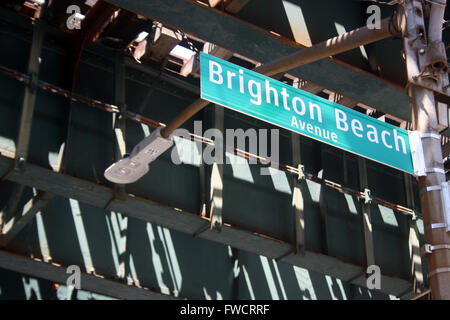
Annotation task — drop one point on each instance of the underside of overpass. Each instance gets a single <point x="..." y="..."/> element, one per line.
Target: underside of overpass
<point x="74" y="97"/>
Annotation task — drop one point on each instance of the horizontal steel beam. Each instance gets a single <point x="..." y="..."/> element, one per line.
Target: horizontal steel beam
<point x="100" y="196"/>
<point x="88" y="282"/>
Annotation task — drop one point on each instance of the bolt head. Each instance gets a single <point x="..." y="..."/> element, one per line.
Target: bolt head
<point x="422" y="51"/>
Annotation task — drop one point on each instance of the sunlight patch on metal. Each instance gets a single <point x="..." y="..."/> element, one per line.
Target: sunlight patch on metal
<point x="280" y="281"/>
<point x="240" y="168"/>
<point x="133" y="278"/>
<point x="388" y="216"/>
<point x="186" y="151"/>
<point x="280" y="181"/>
<point x="269" y="278"/>
<point x="351" y="204"/>
<point x="297" y="22"/>
<point x="172" y="260"/>
<point x="248" y="283"/>
<point x="315" y="188"/>
<point x="332" y="283"/>
<point x="341" y="30"/>
<point x="156" y="260"/>
<point x="31" y="288"/>
<point x="304" y="283"/>
<point x="81" y="234"/>
<point x="42" y="238"/>
<point x="115" y="244"/>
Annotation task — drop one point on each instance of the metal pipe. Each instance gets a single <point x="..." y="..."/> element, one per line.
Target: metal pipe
<point x="347" y="41"/>
<point x="181" y="118"/>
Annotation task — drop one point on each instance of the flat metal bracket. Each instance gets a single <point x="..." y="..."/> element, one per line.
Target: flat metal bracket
<point x="436" y="271"/>
<point x="428" y="248"/>
<point x="436" y="226"/>
<point x="430" y="188"/>
<point x="433" y="188"/>
<point x="418" y="157"/>
<point x="367" y="196"/>
<point x="414" y="216"/>
<point x="434" y="170"/>
<point x="445" y="196"/>
<point x="430" y="135"/>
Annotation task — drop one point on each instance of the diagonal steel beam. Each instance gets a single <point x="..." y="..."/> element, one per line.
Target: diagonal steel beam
<point x="33" y="206"/>
<point x="10" y="208"/>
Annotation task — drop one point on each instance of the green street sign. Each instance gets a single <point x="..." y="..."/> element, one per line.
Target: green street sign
<point x="275" y="102"/>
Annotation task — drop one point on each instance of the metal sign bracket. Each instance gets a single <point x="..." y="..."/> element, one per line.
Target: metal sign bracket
<point x="418" y="157"/>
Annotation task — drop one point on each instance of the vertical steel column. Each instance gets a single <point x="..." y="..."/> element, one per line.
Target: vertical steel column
<point x="119" y="119"/>
<point x="26" y="119"/>
<point x="297" y="197"/>
<point x="216" y="195"/>
<point x="365" y="207"/>
<point x="29" y="99"/>
<point x="323" y="205"/>
<point x="119" y="127"/>
<point x="203" y="169"/>
<point x="414" y="244"/>
<point x="424" y="120"/>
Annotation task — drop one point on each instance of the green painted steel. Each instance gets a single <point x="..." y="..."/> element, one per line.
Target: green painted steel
<point x="166" y="208"/>
<point x="275" y="102"/>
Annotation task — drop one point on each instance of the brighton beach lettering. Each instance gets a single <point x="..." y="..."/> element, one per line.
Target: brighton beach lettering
<point x="275" y="102"/>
